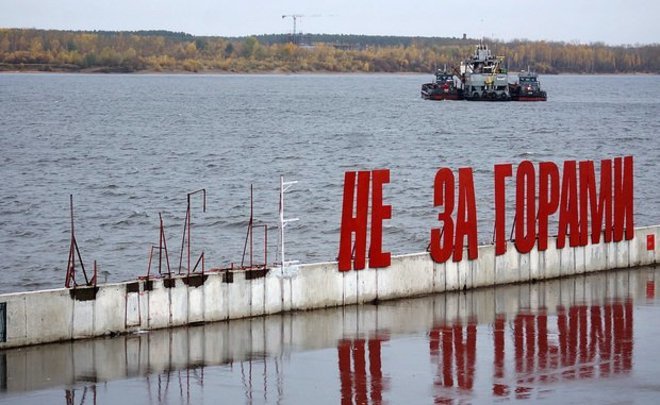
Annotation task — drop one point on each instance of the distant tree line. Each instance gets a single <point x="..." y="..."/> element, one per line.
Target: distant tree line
<point x="108" y="51"/>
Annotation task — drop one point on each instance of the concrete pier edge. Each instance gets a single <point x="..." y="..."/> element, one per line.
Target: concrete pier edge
<point x="63" y="314"/>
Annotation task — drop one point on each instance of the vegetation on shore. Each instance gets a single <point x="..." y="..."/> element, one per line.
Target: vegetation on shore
<point x="164" y="51"/>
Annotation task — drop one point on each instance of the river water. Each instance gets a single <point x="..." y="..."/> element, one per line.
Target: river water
<point x="130" y="146"/>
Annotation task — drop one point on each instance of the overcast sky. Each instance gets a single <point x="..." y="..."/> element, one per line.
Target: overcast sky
<point x="610" y="21"/>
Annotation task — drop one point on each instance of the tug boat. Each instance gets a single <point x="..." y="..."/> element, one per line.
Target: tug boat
<point x="527" y="88"/>
<point x="442" y="88"/>
<point x="483" y="77"/>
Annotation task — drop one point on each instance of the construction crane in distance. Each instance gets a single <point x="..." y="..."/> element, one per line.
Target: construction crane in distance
<point x="295" y="18"/>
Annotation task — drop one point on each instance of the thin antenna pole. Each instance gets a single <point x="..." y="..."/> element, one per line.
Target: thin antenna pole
<point x="282" y="221"/>
<point x="251" y="222"/>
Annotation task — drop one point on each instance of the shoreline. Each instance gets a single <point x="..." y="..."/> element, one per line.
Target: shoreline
<point x="276" y="72"/>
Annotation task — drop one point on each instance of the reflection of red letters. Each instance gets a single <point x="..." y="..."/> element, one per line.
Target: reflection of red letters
<point x="353" y="379"/>
<point x="459" y="347"/>
<point x="451" y="239"/>
<point x="593" y="341"/>
<point x="358" y="224"/>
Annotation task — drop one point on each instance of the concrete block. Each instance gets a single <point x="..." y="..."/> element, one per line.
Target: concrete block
<point x="215" y="307"/>
<point x="16" y="318"/>
<point x="83" y="319"/>
<point x="639" y="254"/>
<point x="623" y="254"/>
<point x="367" y="285"/>
<point x="465" y="271"/>
<point x="451" y="276"/>
<point x="507" y="266"/>
<point x="132" y="310"/>
<point x="111" y="308"/>
<point x="484" y="270"/>
<point x="159" y="306"/>
<point x="316" y="286"/>
<point x="238" y="296"/>
<point x="595" y="257"/>
<point x="439" y="270"/>
<point x="287" y="293"/>
<point x="178" y="302"/>
<point x="524" y="267"/>
<point x="257" y="296"/>
<point x="611" y="255"/>
<point x="273" y="291"/>
<point x="196" y="303"/>
<point x="580" y="260"/>
<point x="350" y="279"/>
<point x="409" y="275"/>
<point x="567" y="261"/>
<point x="535" y="265"/>
<point x="551" y="263"/>
<point x="49" y="316"/>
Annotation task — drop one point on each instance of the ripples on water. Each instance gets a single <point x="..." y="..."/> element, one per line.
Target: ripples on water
<point x="130" y="146"/>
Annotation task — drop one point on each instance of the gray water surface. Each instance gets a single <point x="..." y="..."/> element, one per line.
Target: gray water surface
<point x="130" y="146"/>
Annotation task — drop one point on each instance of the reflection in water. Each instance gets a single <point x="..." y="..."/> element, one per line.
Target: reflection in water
<point x="453" y="348"/>
<point x="521" y="342"/>
<point x="589" y="342"/>
<point x="354" y="386"/>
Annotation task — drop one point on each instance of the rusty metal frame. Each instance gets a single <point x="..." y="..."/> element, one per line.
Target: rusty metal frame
<point x="187" y="233"/>
<point x="74" y="251"/>
<point x="249" y="239"/>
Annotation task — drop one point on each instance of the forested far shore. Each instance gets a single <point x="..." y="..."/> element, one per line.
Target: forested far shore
<point x="164" y="51"/>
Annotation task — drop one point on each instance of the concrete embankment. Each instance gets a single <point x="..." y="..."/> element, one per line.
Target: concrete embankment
<point x="65" y="314"/>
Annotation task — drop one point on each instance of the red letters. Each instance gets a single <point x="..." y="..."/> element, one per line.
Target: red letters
<point x="446" y="241"/>
<point x="466" y="223"/>
<point x="443" y="195"/>
<point x="525" y="207"/>
<point x="568" y="207"/>
<point x="358" y="224"/>
<point x="582" y="204"/>
<point x="502" y="171"/>
<point x="623" y="198"/>
<point x="548" y="199"/>
<point x="379" y="212"/>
